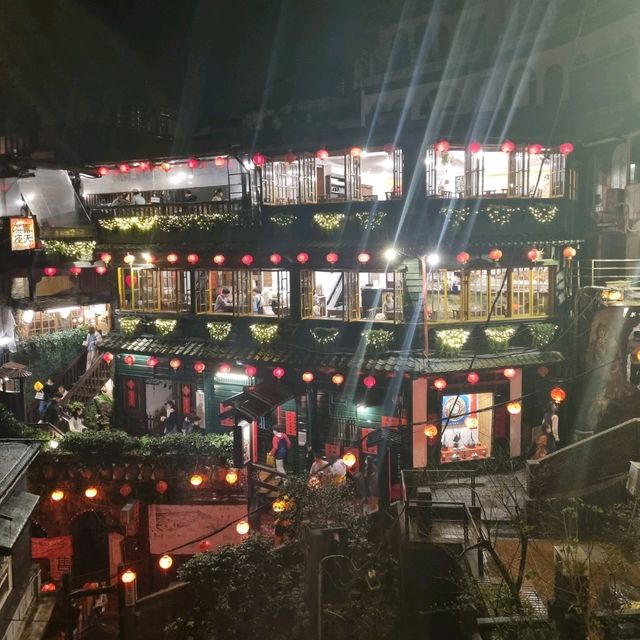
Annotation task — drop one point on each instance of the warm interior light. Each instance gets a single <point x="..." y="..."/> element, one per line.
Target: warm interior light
<point x="349" y="459"/>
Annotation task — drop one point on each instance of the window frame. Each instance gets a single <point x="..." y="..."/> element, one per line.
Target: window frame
<point x="6" y="577"/>
<point x="155" y="283"/>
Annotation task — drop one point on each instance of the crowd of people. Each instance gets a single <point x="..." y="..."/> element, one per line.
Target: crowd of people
<point x="191" y="423"/>
<point x="135" y="197"/>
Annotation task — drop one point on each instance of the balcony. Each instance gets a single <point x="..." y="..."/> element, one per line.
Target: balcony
<point x="619" y="280"/>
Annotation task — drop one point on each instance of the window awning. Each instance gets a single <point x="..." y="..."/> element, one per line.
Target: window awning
<point x="14" y="515"/>
<point x="257" y="401"/>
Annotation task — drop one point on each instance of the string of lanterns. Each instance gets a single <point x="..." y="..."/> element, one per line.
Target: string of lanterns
<point x="507" y="146"/>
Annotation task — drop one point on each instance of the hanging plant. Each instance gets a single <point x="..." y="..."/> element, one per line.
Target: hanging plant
<point x="500" y="214"/>
<point x="202" y="221"/>
<point x="370" y="220"/>
<point x="450" y="341"/>
<point x="71" y="250"/>
<point x="324" y="336"/>
<point x="133" y="223"/>
<point x="128" y="325"/>
<point x="499" y="337"/>
<point x="264" y="333"/>
<point x="543" y="213"/>
<point x="456" y="216"/>
<point x="219" y="331"/>
<point x="328" y="221"/>
<point x="283" y="220"/>
<point x="377" y="340"/>
<point x="542" y="334"/>
<point x="164" y="327"/>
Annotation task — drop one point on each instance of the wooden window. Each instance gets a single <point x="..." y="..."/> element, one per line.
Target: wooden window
<point x="325" y="291"/>
<point x="167" y="290"/>
<point x="379" y="296"/>
<point x="267" y="293"/>
<point x="6" y="578"/>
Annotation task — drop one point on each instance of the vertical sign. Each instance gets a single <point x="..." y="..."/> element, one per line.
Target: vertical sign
<point x="290" y="423"/>
<point x="23" y="233"/>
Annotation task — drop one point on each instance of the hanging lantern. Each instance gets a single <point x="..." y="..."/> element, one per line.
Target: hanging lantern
<point x="533" y="255"/>
<point x="172" y="258"/>
<point x="224" y="367"/>
<point x="57" y="495"/>
<point x="558" y="394"/>
<point x="152" y="361"/>
<point x="258" y="159"/>
<point x="473" y="377"/>
<point x="509" y="373"/>
<point x="219" y="161"/>
<point x="105" y="257"/>
<point x="279" y="505"/>
<point x="91" y="492"/>
<point x="566" y="148"/>
<point x="463" y="257"/>
<point x="507" y="147"/>
<point x="569" y="253"/>
<point x="440" y="384"/>
<point x="103" y="171"/>
<point x="514" y="408"/>
<point x="107" y="357"/>
<point x="275" y="258"/>
<point x="231" y="476"/>
<point x="535" y="149"/>
<point x="165" y="562"/>
<point x="369" y="382"/>
<point x="193" y="163"/>
<point x="243" y="527"/>
<point x="218" y="259"/>
<point x="307" y="377"/>
<point x="196" y="480"/>
<point x="355" y="152"/>
<point x="332" y="258"/>
<point x="442" y="146"/>
<point x="175" y="363"/>
<point x="75" y="271"/>
<point x="129" y="360"/>
<point x="50" y="271"/>
<point x="165" y="166"/>
<point x="198" y="366"/>
<point x="290" y="158"/>
<point x="349" y="458"/>
<point x="101" y="270"/>
<point x="495" y="254"/>
<point x="475" y="147"/>
<point x="471" y="422"/>
<point x="129" y="259"/>
<point x="278" y="373"/>
<point x="125" y="490"/>
<point x="161" y="487"/>
<point x="250" y="371"/>
<point x="302" y="257"/>
<point x="128" y="576"/>
<point x="124" y="168"/>
<point x="205" y="545"/>
<point x="193" y="258"/>
<point x="363" y="257"/>
<point x="337" y="379"/>
<point x="322" y="155"/>
<point x="144" y="166"/>
<point x="543" y="371"/>
<point x="247" y="260"/>
<point x="431" y="431"/>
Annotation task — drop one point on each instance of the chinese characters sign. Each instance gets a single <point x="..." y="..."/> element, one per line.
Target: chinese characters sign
<point x="23" y="234"/>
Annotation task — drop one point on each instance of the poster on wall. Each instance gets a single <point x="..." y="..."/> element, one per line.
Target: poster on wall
<point x="245" y="428"/>
<point x="23" y="234"/>
<point x="467" y="422"/>
<point x="57" y="550"/>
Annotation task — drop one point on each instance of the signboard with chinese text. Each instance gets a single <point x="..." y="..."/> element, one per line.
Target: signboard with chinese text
<point x="23" y="234"/>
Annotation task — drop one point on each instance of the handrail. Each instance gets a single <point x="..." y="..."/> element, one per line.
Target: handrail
<point x="70" y="375"/>
<point x="167" y="209"/>
<point x="55" y="431"/>
<point x="91" y="373"/>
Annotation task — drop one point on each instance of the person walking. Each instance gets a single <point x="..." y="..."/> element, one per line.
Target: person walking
<point x="280" y="446"/>
<point x="92" y="341"/>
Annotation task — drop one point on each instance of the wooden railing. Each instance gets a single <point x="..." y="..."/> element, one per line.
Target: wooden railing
<point x="227" y="207"/>
<point x="74" y="371"/>
<point x="89" y="383"/>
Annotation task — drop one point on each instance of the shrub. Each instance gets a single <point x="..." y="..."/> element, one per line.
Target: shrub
<point x="11" y="427"/>
<point x="219" y="446"/>
<point x="499" y="337"/>
<point x="450" y="341"/>
<point x="542" y="334"/>
<point x="106" y="443"/>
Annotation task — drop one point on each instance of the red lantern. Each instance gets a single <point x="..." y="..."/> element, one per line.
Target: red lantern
<point x="507" y="147"/>
<point x="50" y="271"/>
<point x="463" y="257"/>
<point x="307" y="377"/>
<point x="219" y="161"/>
<point x="258" y="159"/>
<point x="125" y="490"/>
<point x="107" y="357"/>
<point x="198" y="366"/>
<point x="275" y="258"/>
<point x="75" y="271"/>
<point x="337" y="379"/>
<point x="355" y="152"/>
<point x="290" y="158"/>
<point x="543" y="371"/>
<point x="533" y="255"/>
<point x="558" y="394"/>
<point x="247" y="260"/>
<point x="124" y="168"/>
<point x="250" y="370"/>
<point x="369" y="382"/>
<point x="509" y="373"/>
<point x="152" y="361"/>
<point x="205" y="545"/>
<point x="440" y="384"/>
<point x="103" y="171"/>
<point x="224" y="367"/>
<point x="473" y="377"/>
<point x="193" y="258"/>
<point x="129" y="360"/>
<point x="144" y="166"/>
<point x="363" y="257"/>
<point x="165" y="166"/>
<point x="566" y="148"/>
<point x="278" y="373"/>
<point x="302" y="257"/>
<point x="193" y="163"/>
<point x="105" y="257"/>
<point x="322" y="155"/>
<point x="535" y="149"/>
<point x="218" y="259"/>
<point x="442" y="146"/>
<point x="475" y="147"/>
<point x="569" y="253"/>
<point x="101" y="270"/>
<point x="172" y="258"/>
<point x="175" y="363"/>
<point x="161" y="487"/>
<point x="495" y="254"/>
<point x="332" y="258"/>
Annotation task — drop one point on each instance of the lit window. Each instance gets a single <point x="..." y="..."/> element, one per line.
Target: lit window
<point x="144" y="289"/>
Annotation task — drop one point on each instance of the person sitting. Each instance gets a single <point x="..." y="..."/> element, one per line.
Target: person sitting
<point x="218" y="196"/>
<point x="189" y="197"/>
<point x="320" y="466"/>
<point x="388" y="306"/>
<point x="222" y="301"/>
<point x="76" y="424"/>
<point x="121" y="200"/>
<point x="137" y="197"/>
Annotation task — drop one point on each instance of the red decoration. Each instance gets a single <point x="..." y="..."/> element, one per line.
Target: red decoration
<point x="185" y="399"/>
<point x="152" y="361"/>
<point x="302" y="257"/>
<point x="535" y="149"/>
<point x="129" y="360"/>
<point x="363" y="257"/>
<point x="463" y="257"/>
<point x="278" y="373"/>
<point x="543" y="371"/>
<point x="100" y="270"/>
<point x="247" y="260"/>
<point x="475" y="147"/>
<point x="144" y="166"/>
<point x="566" y="148"/>
<point x="507" y="146"/>
<point x="290" y="158"/>
<point x="193" y="163"/>
<point x="442" y="146"/>
<point x="440" y="384"/>
<point x="307" y="377"/>
<point x="569" y="253"/>
<point x="219" y="161"/>
<point x="172" y="258"/>
<point x="275" y="258"/>
<point x="290" y="423"/>
<point x="558" y="394"/>
<point x="193" y="258"/>
<point x="105" y="257"/>
<point x="50" y="271"/>
<point x="250" y="370"/>
<point x="355" y="152"/>
<point x="218" y="259"/>
<point x="205" y="545"/>
<point x="165" y="166"/>
<point x="533" y="255"/>
<point x="369" y="382"/>
<point x="125" y="490"/>
<point x="107" y="357"/>
<point x="198" y="366"/>
<point x="75" y="271"/>
<point x="495" y="254"/>
<point x="473" y="377"/>
<point x="337" y="379"/>
<point x="509" y="373"/>
<point x="175" y="363"/>
<point x="224" y="367"/>
<point x="258" y="159"/>
<point x="103" y="171"/>
<point x="161" y="487"/>
<point x="124" y="168"/>
<point x="332" y="257"/>
<point x="322" y="154"/>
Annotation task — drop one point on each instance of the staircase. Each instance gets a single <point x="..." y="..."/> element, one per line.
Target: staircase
<point x="89" y="384"/>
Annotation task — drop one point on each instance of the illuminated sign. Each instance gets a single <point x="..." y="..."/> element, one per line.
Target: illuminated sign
<point x="23" y="234"/>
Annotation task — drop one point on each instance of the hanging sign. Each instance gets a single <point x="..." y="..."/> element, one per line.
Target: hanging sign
<point x="23" y="233"/>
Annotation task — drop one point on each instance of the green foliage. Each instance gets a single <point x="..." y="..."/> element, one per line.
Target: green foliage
<point x="324" y="336"/>
<point x="282" y="220"/>
<point x="74" y="250"/>
<point x="105" y="443"/>
<point x="11" y="427"/>
<point x="450" y="341"/>
<point x="219" y="446"/>
<point x="542" y="334"/>
<point x="377" y="340"/>
<point x="128" y="325"/>
<point x="370" y="220"/>
<point x="499" y="337"/>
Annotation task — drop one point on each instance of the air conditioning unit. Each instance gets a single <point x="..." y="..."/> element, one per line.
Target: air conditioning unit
<point x="130" y="517"/>
<point x="633" y="480"/>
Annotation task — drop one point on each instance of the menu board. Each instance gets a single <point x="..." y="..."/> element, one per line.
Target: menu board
<point x="23" y="233"/>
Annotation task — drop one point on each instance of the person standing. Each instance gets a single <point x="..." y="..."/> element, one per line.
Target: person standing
<point x="170" y="420"/>
<point x="550" y="419"/>
<point x="92" y="341"/>
<point x="257" y="302"/>
<point x="320" y="466"/>
<point x="280" y="446"/>
<point x="48" y="391"/>
<point x="338" y="468"/>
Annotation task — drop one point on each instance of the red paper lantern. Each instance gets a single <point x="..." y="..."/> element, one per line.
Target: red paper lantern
<point x="507" y="146"/>
<point x="569" y="253"/>
<point x="75" y="271"/>
<point x="258" y="159"/>
<point x="509" y="373"/>
<point x="302" y="257"/>
<point x="205" y="545"/>
<point x="218" y="259"/>
<point x="495" y="254"/>
<point x="543" y="371"/>
<point x="275" y="258"/>
<point x="172" y="258"/>
<point x="198" y="366"/>
<point x="535" y="149"/>
<point x="125" y="490"/>
<point x="566" y="148"/>
<point x="290" y="158"/>
<point x="278" y="373"/>
<point x="337" y="379"/>
<point x="307" y="377"/>
<point x="442" y="146"/>
<point x="250" y="370"/>
<point x="105" y="257"/>
<point x="473" y="377"/>
<point x="100" y="270"/>
<point x="193" y="258"/>
<point x="152" y="361"/>
<point x="533" y="255"/>
<point x="558" y="394"/>
<point x="322" y="154"/>
<point x="219" y="161"/>
<point x="224" y="367"/>
<point x="50" y="271"/>
<point x="144" y="166"/>
<point x="103" y="171"/>
<point x="129" y="360"/>
<point x="363" y="257"/>
<point x="247" y="260"/>
<point x="124" y="168"/>
<point x="369" y="382"/>
<point x="165" y="166"/>
<point x="355" y="152"/>
<point x="332" y="257"/>
<point x="440" y="384"/>
<point x="463" y="257"/>
<point x="475" y="147"/>
<point x="193" y="163"/>
<point x="175" y="363"/>
<point x="107" y="357"/>
<point x="161" y="486"/>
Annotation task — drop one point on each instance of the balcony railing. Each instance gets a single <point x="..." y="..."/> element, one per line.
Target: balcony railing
<point x="226" y="208"/>
<point x="616" y="274"/>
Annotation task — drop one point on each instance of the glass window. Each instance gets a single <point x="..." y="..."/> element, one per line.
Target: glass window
<point x="323" y="295"/>
<point x="450" y="173"/>
<point x="214" y="291"/>
<point x="530" y="291"/>
<point x="339" y="178"/>
<point x="483" y="288"/>
<point x="377" y="296"/>
<point x="444" y="299"/>
<point x="496" y="173"/>
<point x="267" y="293"/>
<point x="144" y="289"/>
